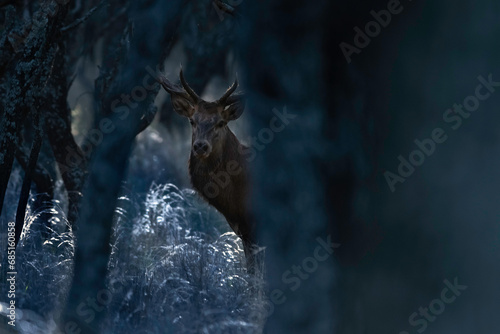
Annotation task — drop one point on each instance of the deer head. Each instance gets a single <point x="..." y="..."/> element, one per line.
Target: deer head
<point x="208" y="119"/>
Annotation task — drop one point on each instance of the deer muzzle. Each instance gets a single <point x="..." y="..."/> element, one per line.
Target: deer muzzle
<point x="202" y="148"/>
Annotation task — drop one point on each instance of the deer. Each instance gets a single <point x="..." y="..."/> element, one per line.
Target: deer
<point x="217" y="166"/>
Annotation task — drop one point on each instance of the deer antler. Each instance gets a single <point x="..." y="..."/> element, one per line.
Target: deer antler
<point x="223" y="99"/>
<point x="188" y="89"/>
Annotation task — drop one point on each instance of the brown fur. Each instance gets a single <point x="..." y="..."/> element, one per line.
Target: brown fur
<point x="230" y="200"/>
<point x="219" y="171"/>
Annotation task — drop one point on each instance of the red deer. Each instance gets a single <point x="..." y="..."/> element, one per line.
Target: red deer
<point x="217" y="167"/>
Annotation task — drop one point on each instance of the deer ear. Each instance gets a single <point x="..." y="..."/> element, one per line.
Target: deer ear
<point x="234" y="108"/>
<point x="181" y="101"/>
<point x="182" y="105"/>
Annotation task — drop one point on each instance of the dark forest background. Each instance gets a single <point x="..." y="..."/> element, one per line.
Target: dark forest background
<point x="90" y="149"/>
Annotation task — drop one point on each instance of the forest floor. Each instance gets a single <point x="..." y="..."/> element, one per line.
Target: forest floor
<point x="175" y="267"/>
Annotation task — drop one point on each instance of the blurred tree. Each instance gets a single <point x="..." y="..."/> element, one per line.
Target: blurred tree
<point x="307" y="175"/>
<point x="127" y="58"/>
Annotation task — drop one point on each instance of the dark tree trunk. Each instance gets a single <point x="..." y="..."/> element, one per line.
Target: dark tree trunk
<point x="29" y="174"/>
<point x="71" y="161"/>
<point x="290" y="172"/>
<point x="108" y="165"/>
<point x="306" y="175"/>
<point x="28" y="73"/>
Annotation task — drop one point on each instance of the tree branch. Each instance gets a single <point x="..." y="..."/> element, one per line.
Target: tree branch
<point x="28" y="176"/>
<point x="83" y="19"/>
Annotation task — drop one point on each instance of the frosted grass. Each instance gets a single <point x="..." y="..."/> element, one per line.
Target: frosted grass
<point x="175" y="267"/>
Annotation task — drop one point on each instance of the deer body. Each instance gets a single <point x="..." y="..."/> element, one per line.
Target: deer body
<point x="217" y="167"/>
<point x="222" y="181"/>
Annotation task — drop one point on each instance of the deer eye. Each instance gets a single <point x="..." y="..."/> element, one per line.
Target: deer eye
<point x="221" y="124"/>
<point x="191" y="122"/>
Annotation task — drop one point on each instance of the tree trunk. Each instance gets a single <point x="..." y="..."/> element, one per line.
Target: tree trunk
<point x="108" y="166"/>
